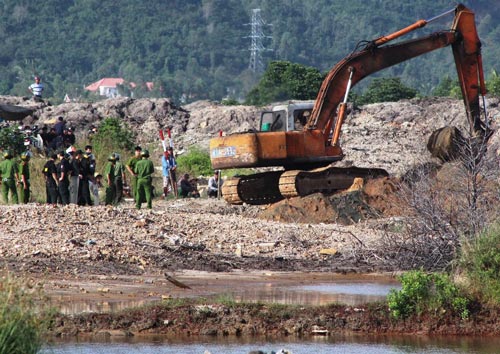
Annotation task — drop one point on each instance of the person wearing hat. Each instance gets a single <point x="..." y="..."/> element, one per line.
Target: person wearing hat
<point x="50" y="174"/>
<point x="24" y="178"/>
<point x="36" y="89"/>
<point x="144" y="170"/>
<point x="120" y="180"/>
<point x="8" y="178"/>
<point x="90" y="156"/>
<point x="84" y="177"/>
<point x="131" y="168"/>
<point x="109" y="175"/>
<point x="63" y="171"/>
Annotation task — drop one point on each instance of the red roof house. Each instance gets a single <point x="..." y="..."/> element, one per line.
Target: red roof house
<point x="106" y="86"/>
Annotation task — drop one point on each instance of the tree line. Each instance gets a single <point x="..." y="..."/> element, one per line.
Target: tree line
<point x="199" y="49"/>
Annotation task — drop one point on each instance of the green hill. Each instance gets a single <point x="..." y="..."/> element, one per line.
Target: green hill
<point x="199" y="49"/>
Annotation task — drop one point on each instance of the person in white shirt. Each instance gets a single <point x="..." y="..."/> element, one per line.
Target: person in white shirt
<point x="214" y="184"/>
<point x="36" y="88"/>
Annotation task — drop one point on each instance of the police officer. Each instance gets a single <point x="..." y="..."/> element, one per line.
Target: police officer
<point x="24" y="178"/>
<point x="63" y="171"/>
<point x="144" y="170"/>
<point x="119" y="179"/>
<point x="50" y="173"/>
<point x="109" y="176"/>
<point x="9" y="177"/>
<point x="131" y="168"/>
<point x="86" y="174"/>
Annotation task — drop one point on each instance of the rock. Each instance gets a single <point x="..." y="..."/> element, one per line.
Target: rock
<point x="239" y="250"/>
<point x="328" y="251"/>
<point x="113" y="333"/>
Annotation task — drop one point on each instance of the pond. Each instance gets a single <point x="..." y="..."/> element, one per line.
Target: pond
<point x="319" y="345"/>
<point x="281" y="288"/>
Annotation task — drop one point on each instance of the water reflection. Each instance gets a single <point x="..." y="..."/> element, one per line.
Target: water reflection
<point x="70" y="306"/>
<point x="321" y="345"/>
<point x="347" y="291"/>
<point x="318" y="294"/>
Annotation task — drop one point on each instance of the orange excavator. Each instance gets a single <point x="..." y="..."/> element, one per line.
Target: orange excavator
<point x="307" y="155"/>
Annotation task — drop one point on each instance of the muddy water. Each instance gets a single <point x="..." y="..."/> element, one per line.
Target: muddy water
<point x="339" y="291"/>
<point x="107" y="294"/>
<point x="319" y="345"/>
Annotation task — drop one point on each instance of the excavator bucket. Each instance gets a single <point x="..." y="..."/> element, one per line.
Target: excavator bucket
<point x="446" y="143"/>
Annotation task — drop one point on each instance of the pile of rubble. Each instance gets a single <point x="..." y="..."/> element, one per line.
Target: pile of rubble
<point x="176" y="234"/>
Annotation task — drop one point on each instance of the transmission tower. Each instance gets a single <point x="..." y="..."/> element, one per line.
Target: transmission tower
<point x="257" y="46"/>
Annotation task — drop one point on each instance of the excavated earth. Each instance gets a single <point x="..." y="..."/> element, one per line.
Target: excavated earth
<point x="120" y="252"/>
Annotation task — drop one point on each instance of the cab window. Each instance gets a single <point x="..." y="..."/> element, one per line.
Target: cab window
<point x="273" y="121"/>
<point x="300" y="117"/>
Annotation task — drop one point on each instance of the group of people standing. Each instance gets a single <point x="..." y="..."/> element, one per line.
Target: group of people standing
<point x="69" y="177"/>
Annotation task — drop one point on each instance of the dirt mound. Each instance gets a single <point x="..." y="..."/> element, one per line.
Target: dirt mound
<point x="314" y="208"/>
<point x="378" y="197"/>
<point x="382" y="195"/>
<point x="375" y="199"/>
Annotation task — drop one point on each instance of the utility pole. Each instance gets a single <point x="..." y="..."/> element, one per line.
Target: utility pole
<point x="257" y="46"/>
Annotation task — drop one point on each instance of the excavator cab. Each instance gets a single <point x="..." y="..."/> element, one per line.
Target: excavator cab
<point x="289" y="117"/>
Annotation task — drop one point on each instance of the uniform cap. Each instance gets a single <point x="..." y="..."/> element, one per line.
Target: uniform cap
<point x="145" y="153"/>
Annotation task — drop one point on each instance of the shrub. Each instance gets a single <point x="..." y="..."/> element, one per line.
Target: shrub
<point x="12" y="140"/>
<point x="426" y="292"/>
<point x="113" y="135"/>
<point x="284" y="80"/>
<point x="37" y="179"/>
<point x="448" y="87"/>
<point x="493" y="84"/>
<point x="196" y="162"/>
<point x="21" y="328"/>
<point x="480" y="263"/>
<point x="230" y="102"/>
<point x="386" y="90"/>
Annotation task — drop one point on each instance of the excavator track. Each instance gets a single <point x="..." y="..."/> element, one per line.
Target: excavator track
<point x="326" y="180"/>
<point x="260" y="188"/>
<point x="271" y="187"/>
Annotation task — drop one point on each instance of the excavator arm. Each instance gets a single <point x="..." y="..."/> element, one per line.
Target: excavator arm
<point x="328" y="113"/>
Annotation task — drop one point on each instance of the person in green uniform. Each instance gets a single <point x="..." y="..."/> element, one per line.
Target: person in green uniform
<point x="144" y="170"/>
<point x="119" y="179"/>
<point x="131" y="168"/>
<point x="24" y="178"/>
<point x="9" y="178"/>
<point x="109" y="175"/>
